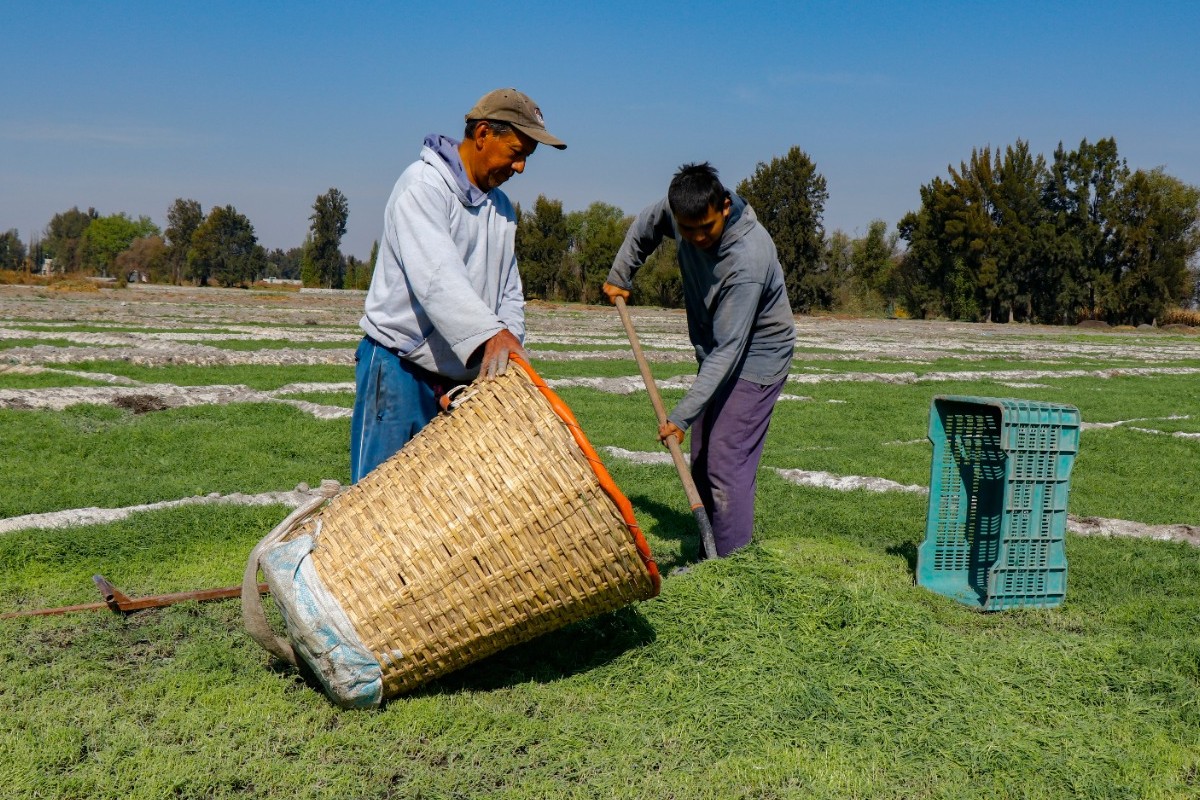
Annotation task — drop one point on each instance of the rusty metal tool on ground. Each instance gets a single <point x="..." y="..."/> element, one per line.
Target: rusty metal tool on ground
<point x="121" y="603"/>
<point x="685" y="475"/>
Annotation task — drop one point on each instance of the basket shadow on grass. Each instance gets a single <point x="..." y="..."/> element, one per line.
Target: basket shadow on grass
<point x="553" y="656"/>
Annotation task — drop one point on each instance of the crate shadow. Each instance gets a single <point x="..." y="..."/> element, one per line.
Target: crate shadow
<point x="907" y="551"/>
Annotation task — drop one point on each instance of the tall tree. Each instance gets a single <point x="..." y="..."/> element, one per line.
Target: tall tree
<point x="359" y="273"/>
<point x="106" y="237"/>
<point x="542" y="243"/>
<point x="659" y="281"/>
<point x="837" y="270"/>
<point x="183" y="217"/>
<point x="12" y="250"/>
<point x="930" y="270"/>
<point x="284" y="263"/>
<point x="872" y="264"/>
<point x="597" y="233"/>
<point x="1156" y="233"/>
<point x="330" y="213"/>
<point x="63" y="236"/>
<point x="1083" y="237"/>
<point x="969" y="236"/>
<point x="148" y="256"/>
<point x="309" y="274"/>
<point x="1019" y="216"/>
<point x="225" y="249"/>
<point x="1079" y="198"/>
<point x="975" y="247"/>
<point x="789" y="197"/>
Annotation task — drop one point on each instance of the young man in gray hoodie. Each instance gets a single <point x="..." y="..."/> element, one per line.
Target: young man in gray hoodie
<point x="741" y="326"/>
<point x="445" y="301"/>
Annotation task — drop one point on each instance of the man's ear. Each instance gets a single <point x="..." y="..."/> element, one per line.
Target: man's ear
<point x="482" y="130"/>
<point x="727" y="207"/>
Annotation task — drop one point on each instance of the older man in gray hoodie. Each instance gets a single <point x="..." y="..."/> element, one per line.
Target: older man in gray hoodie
<point x="742" y="329"/>
<point x="445" y="301"/>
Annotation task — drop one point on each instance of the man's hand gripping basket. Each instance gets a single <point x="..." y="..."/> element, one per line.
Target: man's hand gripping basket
<point x="495" y="524"/>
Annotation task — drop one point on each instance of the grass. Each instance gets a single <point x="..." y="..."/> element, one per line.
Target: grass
<point x="1120" y="474"/>
<point x="280" y="344"/>
<point x="43" y="380"/>
<point x="102" y="456"/>
<point x="352" y="331"/>
<point x="882" y="432"/>
<point x="106" y="328"/>
<point x="609" y="368"/>
<point x="343" y="399"/>
<point x="974" y="365"/>
<point x="9" y="344"/>
<point x="615" y="345"/>
<point x="252" y="375"/>
<point x="1188" y="424"/>
<point x="807" y="666"/>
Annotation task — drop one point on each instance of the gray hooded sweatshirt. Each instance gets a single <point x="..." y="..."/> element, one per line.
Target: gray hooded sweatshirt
<point x="446" y="275"/>
<point x="738" y="315"/>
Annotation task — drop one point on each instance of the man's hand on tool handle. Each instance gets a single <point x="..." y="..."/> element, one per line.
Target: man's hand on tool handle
<point x="668" y="429"/>
<point x="613" y="292"/>
<point x="496" y="352"/>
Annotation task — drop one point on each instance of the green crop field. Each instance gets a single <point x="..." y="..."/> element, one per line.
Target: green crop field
<point x="809" y="665"/>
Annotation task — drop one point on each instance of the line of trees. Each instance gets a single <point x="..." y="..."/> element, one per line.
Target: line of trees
<point x="566" y="256"/>
<point x="1005" y="236"/>
<point x="218" y="248"/>
<point x="1008" y="236"/>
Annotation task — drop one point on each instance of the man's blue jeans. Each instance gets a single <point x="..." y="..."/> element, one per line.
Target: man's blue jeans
<point x="393" y="401"/>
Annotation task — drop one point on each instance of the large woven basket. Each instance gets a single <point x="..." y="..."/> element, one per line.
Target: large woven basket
<point x="495" y="524"/>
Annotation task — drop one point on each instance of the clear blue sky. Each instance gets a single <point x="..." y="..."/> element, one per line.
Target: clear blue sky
<point x="125" y="106"/>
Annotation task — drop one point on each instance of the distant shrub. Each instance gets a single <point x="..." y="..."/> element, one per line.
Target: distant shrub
<point x="72" y="283"/>
<point x="9" y="277"/>
<point x="1180" y="316"/>
<point x="276" y="286"/>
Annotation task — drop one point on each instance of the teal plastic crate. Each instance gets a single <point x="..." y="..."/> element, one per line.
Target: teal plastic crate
<point x="998" y="491"/>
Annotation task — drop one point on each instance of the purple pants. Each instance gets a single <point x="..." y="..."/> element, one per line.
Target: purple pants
<point x="727" y="444"/>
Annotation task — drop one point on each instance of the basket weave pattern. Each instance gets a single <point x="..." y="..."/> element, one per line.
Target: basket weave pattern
<point x="495" y="524"/>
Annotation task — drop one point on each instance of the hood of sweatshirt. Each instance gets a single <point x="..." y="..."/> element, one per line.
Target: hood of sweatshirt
<point x="441" y="152"/>
<point x="741" y="220"/>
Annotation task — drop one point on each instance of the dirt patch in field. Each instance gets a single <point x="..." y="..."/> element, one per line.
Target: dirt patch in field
<point x="140" y="403"/>
<point x="1099" y="526"/>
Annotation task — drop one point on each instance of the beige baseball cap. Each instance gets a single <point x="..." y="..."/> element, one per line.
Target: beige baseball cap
<point x="518" y="110"/>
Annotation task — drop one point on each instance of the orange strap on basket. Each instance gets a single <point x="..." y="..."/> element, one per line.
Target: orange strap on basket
<point x="606" y="482"/>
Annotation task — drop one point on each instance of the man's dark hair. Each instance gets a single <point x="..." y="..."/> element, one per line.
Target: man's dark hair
<point x="694" y="189"/>
<point x="497" y="128"/>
